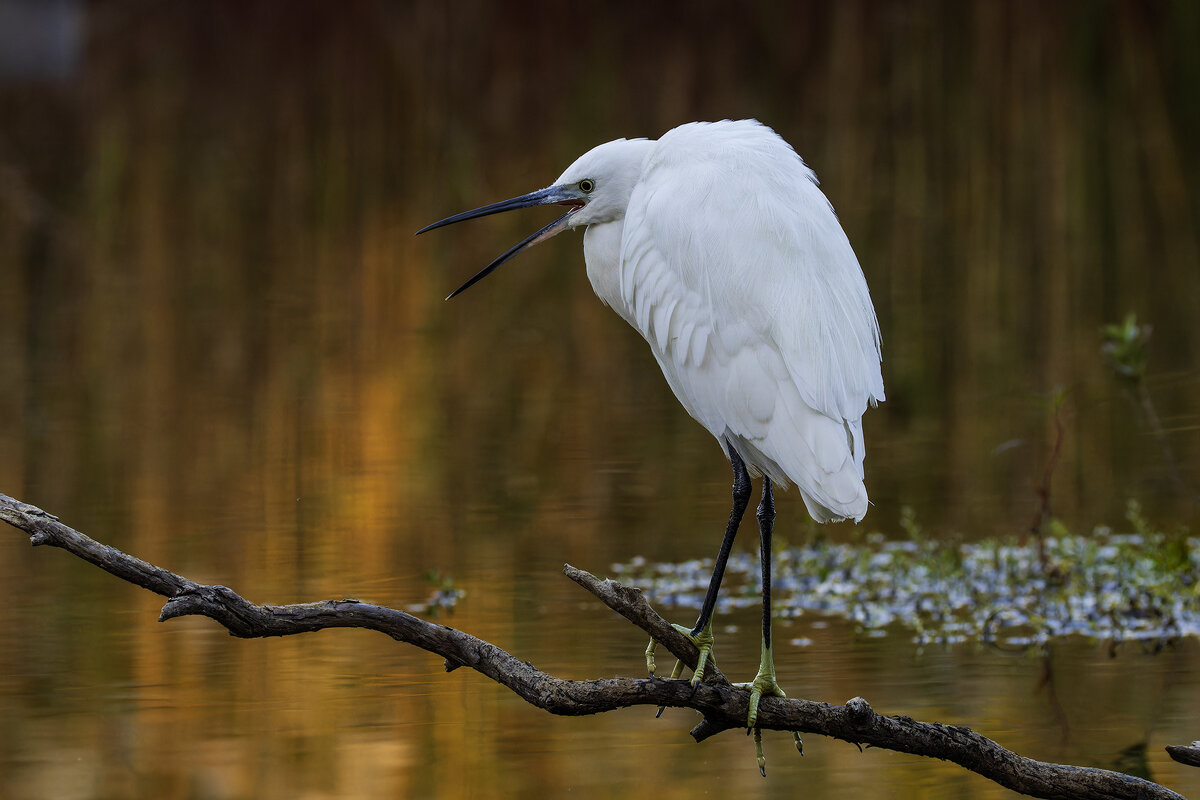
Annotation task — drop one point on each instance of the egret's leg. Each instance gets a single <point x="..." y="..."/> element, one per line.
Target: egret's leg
<point x="764" y="682"/>
<point x="701" y="634"/>
<point x="741" y="498"/>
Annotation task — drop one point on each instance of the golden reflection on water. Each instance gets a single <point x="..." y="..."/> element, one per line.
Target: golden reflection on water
<point x="224" y="351"/>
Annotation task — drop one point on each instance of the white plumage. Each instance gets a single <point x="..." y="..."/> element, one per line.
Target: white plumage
<point x="731" y="263"/>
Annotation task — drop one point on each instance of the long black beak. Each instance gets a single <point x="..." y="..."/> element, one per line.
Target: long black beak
<point x="561" y="195"/>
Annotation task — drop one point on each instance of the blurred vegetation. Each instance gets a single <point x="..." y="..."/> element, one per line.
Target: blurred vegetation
<point x="1124" y="346"/>
<point x="1137" y="586"/>
<point x="444" y="596"/>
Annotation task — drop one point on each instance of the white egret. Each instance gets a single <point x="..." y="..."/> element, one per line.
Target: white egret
<point x="716" y="244"/>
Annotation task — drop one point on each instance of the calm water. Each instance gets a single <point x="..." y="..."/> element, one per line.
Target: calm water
<point x="223" y="350"/>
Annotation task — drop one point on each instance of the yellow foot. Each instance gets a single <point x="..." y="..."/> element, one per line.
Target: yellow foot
<point x="758" y="751"/>
<point x="704" y="643"/>
<point x="764" y="684"/>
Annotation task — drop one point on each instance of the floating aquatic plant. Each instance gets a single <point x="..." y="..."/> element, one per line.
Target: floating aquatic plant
<point x="1137" y="586"/>
<point x="444" y="596"/>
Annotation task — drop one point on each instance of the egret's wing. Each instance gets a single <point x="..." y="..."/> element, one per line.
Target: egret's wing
<point x="735" y="269"/>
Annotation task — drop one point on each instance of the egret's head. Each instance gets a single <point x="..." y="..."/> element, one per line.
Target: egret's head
<point x="596" y="188"/>
<point x="603" y="178"/>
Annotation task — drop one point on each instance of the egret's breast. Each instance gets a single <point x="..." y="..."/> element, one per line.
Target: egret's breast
<point x="602" y="252"/>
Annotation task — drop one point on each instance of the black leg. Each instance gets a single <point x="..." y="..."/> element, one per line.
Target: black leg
<point x="766" y="523"/>
<point x="741" y="498"/>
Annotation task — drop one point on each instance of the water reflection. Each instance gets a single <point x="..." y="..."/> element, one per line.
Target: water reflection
<point x="225" y="352"/>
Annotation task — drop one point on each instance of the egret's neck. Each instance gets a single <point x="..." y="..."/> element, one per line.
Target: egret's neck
<point x="602" y="252"/>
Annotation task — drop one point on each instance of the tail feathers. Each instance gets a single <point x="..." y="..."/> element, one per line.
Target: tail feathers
<point x="822" y="456"/>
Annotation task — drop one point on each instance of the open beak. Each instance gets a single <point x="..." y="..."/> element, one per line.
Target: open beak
<point x="554" y="195"/>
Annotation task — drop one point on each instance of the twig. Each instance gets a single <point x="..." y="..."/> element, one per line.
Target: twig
<point x="1160" y="434"/>
<point x="1185" y="754"/>
<point x="722" y="705"/>
<point x="1043" y="512"/>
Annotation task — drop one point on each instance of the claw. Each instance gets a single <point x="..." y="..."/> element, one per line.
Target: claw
<point x="675" y="673"/>
<point x="763" y="685"/>
<point x="758" y="753"/>
<point x="704" y="643"/>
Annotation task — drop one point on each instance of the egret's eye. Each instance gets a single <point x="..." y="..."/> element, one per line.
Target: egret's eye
<point x="587" y="185"/>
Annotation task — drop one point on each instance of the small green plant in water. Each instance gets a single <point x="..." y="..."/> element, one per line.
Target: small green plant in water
<point x="908" y="524"/>
<point x="444" y="597"/>
<point x="1124" y="347"/>
<point x="1133" y="514"/>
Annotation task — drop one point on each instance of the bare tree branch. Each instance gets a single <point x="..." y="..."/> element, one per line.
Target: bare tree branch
<point x="722" y="704"/>
<point x="1185" y="754"/>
